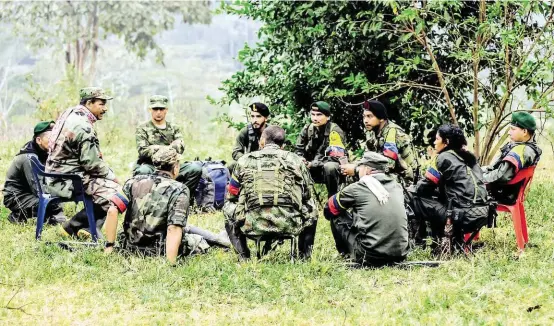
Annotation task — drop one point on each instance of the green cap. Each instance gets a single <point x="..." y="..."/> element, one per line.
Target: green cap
<point x="322" y="107"/>
<point x="375" y="160"/>
<point x="43" y="126"/>
<point x="88" y="93"/>
<point x="524" y="120"/>
<point x="158" y="101"/>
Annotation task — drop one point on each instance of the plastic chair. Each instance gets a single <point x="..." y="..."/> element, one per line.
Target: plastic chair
<point x="524" y="176"/>
<point x="46" y="199"/>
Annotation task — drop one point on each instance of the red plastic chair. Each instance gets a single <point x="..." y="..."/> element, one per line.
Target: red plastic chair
<point x="517" y="210"/>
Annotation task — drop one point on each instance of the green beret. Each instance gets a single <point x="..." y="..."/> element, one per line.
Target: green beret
<point x="375" y="160"/>
<point x="322" y="107"/>
<point x="88" y="93"/>
<point x="524" y="120"/>
<point x="260" y="108"/>
<point x="43" y="126"/>
<point x="158" y="101"/>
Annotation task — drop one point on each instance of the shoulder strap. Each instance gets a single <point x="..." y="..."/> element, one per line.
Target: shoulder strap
<point x="310" y="131"/>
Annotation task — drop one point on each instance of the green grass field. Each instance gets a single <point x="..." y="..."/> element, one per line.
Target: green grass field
<point x="44" y="284"/>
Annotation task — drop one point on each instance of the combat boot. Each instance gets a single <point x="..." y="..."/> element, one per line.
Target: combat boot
<point x="238" y="240"/>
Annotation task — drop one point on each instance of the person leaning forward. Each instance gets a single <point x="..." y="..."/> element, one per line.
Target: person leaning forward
<point x="522" y="152"/>
<point x="20" y="191"/>
<point x="156" y="221"/>
<point x="321" y="144"/>
<point x="249" y="137"/>
<point x="270" y="194"/>
<point x="387" y="138"/>
<point x="368" y="219"/>
<point x="157" y="132"/>
<point x="75" y="149"/>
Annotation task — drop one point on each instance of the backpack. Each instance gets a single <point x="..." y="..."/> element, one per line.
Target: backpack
<point x="210" y="192"/>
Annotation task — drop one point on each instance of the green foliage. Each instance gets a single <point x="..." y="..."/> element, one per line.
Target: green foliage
<point x="416" y="57"/>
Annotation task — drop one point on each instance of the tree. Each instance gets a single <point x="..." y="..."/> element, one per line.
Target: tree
<point x="430" y="62"/>
<point x="77" y="27"/>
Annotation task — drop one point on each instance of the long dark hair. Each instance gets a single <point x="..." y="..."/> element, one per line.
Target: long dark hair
<point x="454" y="137"/>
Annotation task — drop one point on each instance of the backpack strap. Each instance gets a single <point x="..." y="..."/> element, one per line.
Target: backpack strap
<point x="276" y="175"/>
<point x="251" y="137"/>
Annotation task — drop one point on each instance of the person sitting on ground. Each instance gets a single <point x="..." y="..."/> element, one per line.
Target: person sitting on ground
<point x="156" y="218"/>
<point x="270" y="194"/>
<point x="158" y="132"/>
<point x="455" y="178"/>
<point x="249" y="137"/>
<point x="368" y="219"/>
<point x="522" y="152"/>
<point x="20" y="191"/>
<point x="321" y="144"/>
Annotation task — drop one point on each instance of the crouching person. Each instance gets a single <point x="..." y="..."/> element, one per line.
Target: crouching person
<point x="368" y="219"/>
<point x="156" y="218"/>
<point x="270" y="194"/>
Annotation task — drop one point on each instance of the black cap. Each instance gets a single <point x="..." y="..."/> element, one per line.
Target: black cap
<point x="377" y="108"/>
<point x="260" y="108"/>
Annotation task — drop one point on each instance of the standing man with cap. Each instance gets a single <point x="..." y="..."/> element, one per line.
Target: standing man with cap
<point x="385" y="137"/>
<point x="158" y="132"/>
<point x="20" y="192"/>
<point x="249" y="136"/>
<point x="75" y="148"/>
<point x="321" y="144"/>
<point x="520" y="153"/>
<point x="368" y="219"/>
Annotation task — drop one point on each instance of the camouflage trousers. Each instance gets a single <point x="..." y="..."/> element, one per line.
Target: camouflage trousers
<point x="105" y="193"/>
<point x="191" y="244"/>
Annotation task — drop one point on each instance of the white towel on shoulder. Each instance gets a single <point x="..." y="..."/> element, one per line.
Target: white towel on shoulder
<point x="376" y="188"/>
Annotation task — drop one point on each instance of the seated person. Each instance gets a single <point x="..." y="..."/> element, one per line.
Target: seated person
<point x="321" y="144"/>
<point x="157" y="213"/>
<point x="20" y="192"/>
<point x="520" y="153"/>
<point x="368" y="219"/>
<point x="270" y="194"/>
<point x="455" y="178"/>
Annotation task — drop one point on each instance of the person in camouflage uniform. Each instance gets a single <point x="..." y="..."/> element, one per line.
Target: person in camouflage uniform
<point x="156" y="220"/>
<point x="249" y="137"/>
<point x="387" y="138"/>
<point x="270" y="194"/>
<point x="522" y="152"/>
<point x="20" y="191"/>
<point x="322" y="144"/>
<point x="75" y="149"/>
<point x="157" y="132"/>
<point x="368" y="220"/>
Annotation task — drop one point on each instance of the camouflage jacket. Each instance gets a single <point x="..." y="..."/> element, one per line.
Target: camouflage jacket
<point x="317" y="145"/>
<point x="274" y="192"/>
<point x="150" y="138"/>
<point x="75" y="148"/>
<point x="396" y="145"/>
<point x="155" y="202"/>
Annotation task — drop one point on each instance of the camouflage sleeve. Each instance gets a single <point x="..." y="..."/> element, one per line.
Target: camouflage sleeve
<point x="179" y="204"/>
<point x="90" y="156"/>
<point x="501" y="175"/>
<point x="302" y="142"/>
<point x="127" y="188"/>
<point x="142" y="143"/>
<point x="178" y="143"/>
<point x="240" y="144"/>
<point x="370" y="142"/>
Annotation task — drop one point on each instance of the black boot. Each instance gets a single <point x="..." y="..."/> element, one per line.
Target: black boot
<point x="238" y="240"/>
<point x="306" y="240"/>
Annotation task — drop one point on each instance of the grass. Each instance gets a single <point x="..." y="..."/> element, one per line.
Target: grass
<point x="44" y="284"/>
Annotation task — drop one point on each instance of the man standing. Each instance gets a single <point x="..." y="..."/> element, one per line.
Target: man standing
<point x="20" y="192"/>
<point x="75" y="148"/>
<point x="385" y="137"/>
<point x="321" y="144"/>
<point x="156" y="221"/>
<point x="270" y="194"/>
<point x="158" y="132"/>
<point x="520" y="153"/>
<point x="368" y="219"/>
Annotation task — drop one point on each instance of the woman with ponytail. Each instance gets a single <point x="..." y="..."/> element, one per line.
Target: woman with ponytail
<point x="453" y="181"/>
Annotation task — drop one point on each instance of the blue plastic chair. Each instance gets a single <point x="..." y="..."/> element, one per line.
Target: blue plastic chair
<point x="46" y="199"/>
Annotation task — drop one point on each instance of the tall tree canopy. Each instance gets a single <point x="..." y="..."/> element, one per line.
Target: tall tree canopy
<point x="429" y="61"/>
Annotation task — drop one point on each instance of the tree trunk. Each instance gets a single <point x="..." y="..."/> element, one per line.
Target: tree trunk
<point x="95" y="27"/>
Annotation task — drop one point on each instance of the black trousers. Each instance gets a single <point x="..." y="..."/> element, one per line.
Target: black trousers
<point x="80" y="221"/>
<point x="24" y="207"/>
<point x="329" y="174"/>
<point x="432" y="211"/>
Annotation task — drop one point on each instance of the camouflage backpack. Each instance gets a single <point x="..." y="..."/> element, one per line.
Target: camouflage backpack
<point x="272" y="180"/>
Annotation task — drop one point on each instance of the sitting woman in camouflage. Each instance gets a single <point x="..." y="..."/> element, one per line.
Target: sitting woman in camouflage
<point x="454" y="183"/>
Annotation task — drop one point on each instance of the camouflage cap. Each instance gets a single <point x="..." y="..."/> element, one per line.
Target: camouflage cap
<point x="375" y="160"/>
<point x="165" y="156"/>
<point x="158" y="101"/>
<point x="93" y="92"/>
